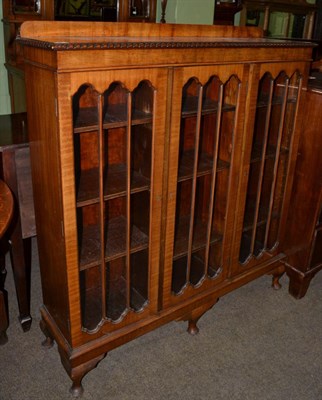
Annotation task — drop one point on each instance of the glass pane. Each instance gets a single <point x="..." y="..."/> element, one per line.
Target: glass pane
<point x="220" y="184"/>
<point x="215" y="259"/>
<point x="115" y="106"/>
<point x="116" y="289"/>
<point x="115" y="228"/>
<point x="140" y="220"/>
<point x="26" y="6"/>
<point x="139" y="280"/>
<point x="86" y="103"/>
<point x="139" y="8"/>
<point x="282" y="171"/>
<point x="91" y="298"/>
<point x="141" y="136"/>
<point x="218" y="222"/>
<point x="257" y="162"/>
<point x="316" y="258"/>
<point x="183" y="209"/>
<point x="86" y="144"/>
<point x="89" y="239"/>
<point x="187" y="149"/>
<point x="197" y="268"/>
<point x="206" y="145"/>
<point x="200" y="224"/>
<point x="141" y="171"/>
<point x="274" y="125"/>
<point x="319" y="221"/>
<point x="188" y="159"/>
<point x="257" y="165"/>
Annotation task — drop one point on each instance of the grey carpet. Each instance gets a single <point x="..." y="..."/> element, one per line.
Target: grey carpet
<point x="255" y="344"/>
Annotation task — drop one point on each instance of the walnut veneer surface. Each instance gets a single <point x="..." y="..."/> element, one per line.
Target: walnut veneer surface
<point x="304" y="242"/>
<point x="163" y="158"/>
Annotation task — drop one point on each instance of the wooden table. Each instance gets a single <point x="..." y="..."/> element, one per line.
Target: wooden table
<point x="6" y="212"/>
<point x="15" y="172"/>
<point x="6" y="207"/>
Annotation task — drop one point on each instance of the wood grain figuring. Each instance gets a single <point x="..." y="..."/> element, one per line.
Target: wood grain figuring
<point x="162" y="175"/>
<point x="304" y="221"/>
<point x="146" y="30"/>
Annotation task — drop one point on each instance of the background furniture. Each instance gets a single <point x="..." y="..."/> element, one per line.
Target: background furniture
<point x="17" y="11"/>
<point x="225" y="12"/>
<point x="15" y="172"/>
<point x="304" y="241"/>
<point x="6" y="210"/>
<point x="108" y="10"/>
<point x="298" y="21"/>
<point x="162" y="179"/>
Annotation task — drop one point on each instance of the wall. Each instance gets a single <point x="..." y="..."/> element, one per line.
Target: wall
<point x="188" y="11"/>
<point x="5" y="107"/>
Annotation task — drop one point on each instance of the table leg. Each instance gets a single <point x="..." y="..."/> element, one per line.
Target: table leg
<point x="4" y="322"/>
<point x="20" y="250"/>
<point x="20" y="254"/>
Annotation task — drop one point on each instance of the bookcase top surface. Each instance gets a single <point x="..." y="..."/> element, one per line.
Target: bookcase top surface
<point x="57" y="35"/>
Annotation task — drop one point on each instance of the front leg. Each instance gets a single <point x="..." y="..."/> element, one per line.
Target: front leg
<point x="195" y="314"/>
<point x="277" y="274"/>
<point x="49" y="340"/>
<point x="77" y="373"/>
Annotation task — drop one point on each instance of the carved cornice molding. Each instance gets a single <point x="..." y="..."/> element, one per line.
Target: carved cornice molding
<point x="155" y="44"/>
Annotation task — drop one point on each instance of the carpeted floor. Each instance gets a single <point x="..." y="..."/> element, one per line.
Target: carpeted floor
<point x="255" y="344"/>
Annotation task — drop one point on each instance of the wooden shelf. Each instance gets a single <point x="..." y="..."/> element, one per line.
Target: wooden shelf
<point x="262" y="220"/>
<point x="190" y="106"/>
<point x="270" y="152"/>
<point x="115" y="117"/>
<point x="199" y="237"/>
<point x="116" y="300"/>
<point x="276" y="101"/>
<point x="197" y="273"/>
<point x="92" y="309"/>
<point x="115" y="305"/>
<point x="205" y="165"/>
<point x="114" y="184"/>
<point x="245" y="253"/>
<point x="115" y="246"/>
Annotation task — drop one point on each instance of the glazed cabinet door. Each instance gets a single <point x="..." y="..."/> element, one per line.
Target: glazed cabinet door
<point x="118" y="123"/>
<point x="206" y="131"/>
<point x="270" y="153"/>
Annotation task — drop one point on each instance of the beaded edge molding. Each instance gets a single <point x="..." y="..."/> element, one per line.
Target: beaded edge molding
<point x="55" y="46"/>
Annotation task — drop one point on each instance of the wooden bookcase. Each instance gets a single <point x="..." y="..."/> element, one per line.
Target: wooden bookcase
<point x="162" y="159"/>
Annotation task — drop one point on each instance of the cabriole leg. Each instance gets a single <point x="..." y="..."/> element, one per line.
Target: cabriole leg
<point x="77" y="373"/>
<point x="49" y="341"/>
<point x="277" y="275"/>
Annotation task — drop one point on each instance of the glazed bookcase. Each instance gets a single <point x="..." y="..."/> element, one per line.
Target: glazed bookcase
<point x="162" y="159"/>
